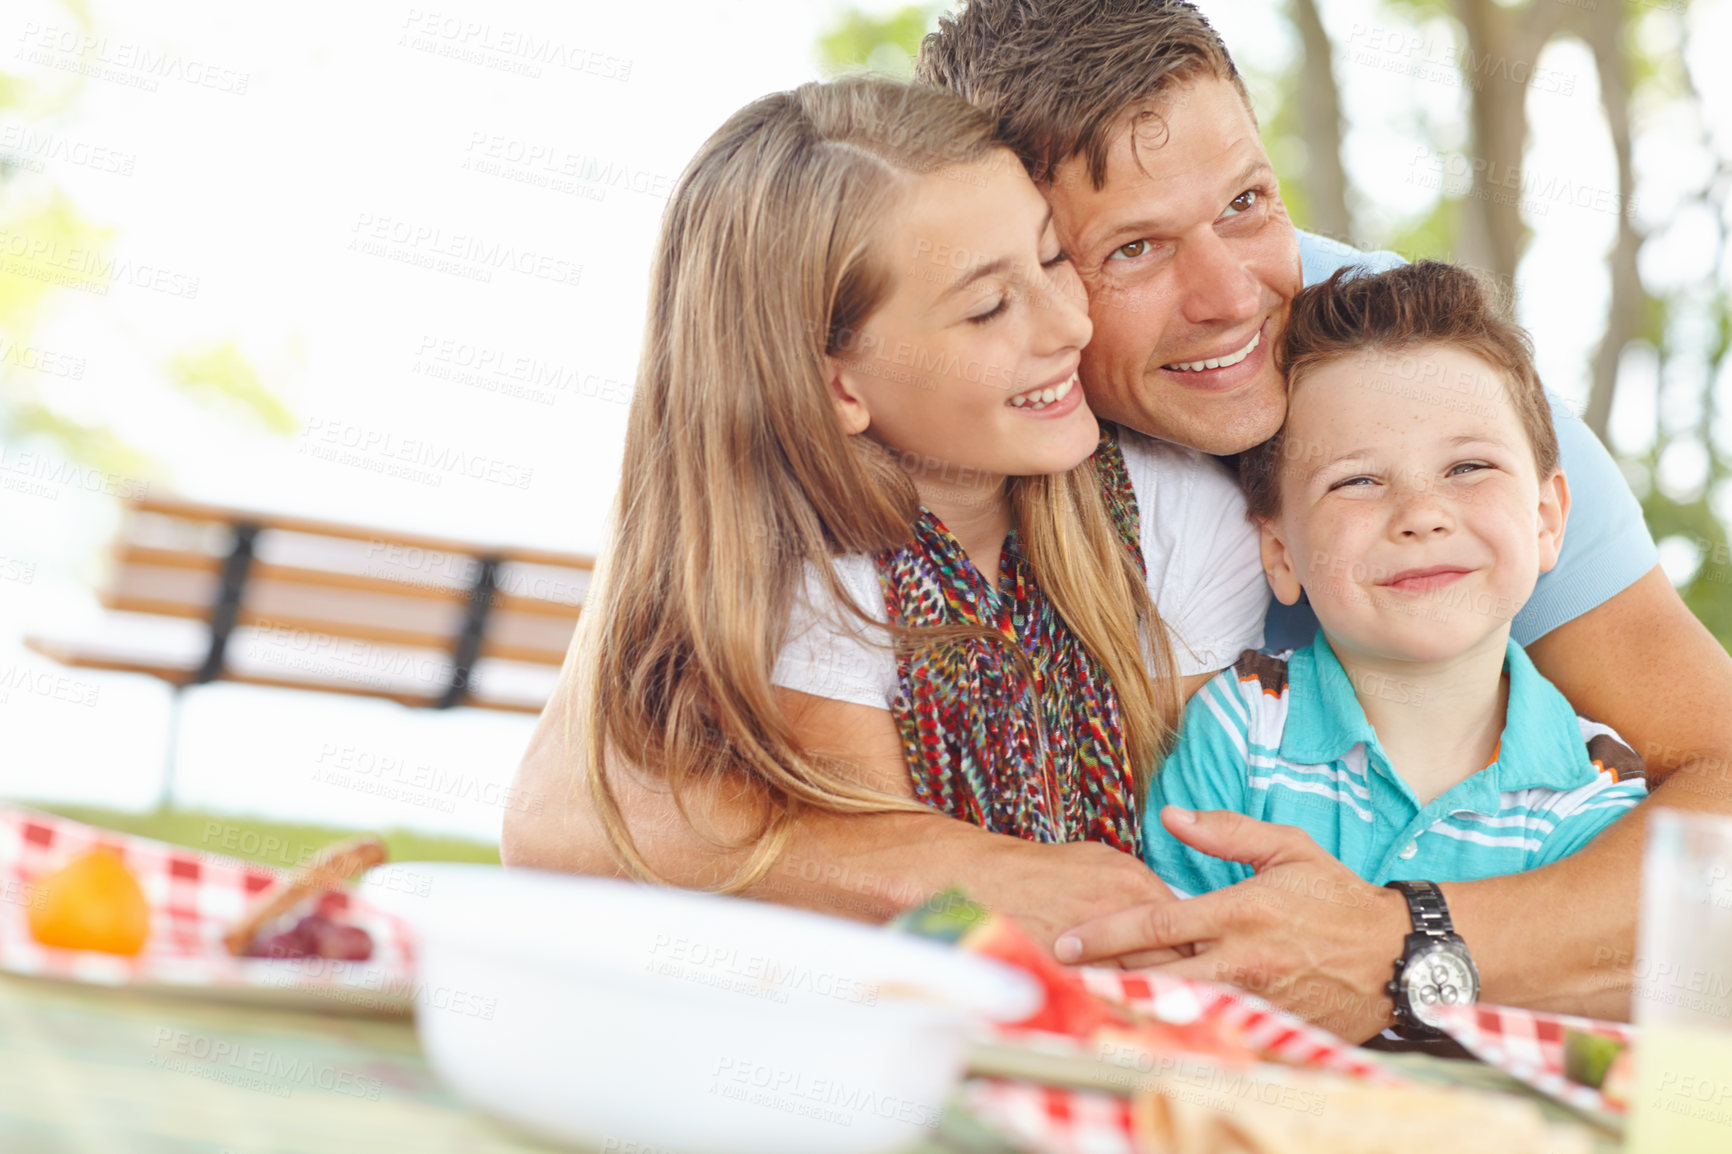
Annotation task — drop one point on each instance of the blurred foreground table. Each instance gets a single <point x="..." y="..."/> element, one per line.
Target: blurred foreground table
<point x="92" y="1070"/>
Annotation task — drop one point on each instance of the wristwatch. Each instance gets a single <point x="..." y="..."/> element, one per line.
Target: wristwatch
<point x="1434" y="969"/>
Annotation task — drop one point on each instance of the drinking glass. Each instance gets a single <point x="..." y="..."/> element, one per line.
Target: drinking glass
<point x="1682" y="997"/>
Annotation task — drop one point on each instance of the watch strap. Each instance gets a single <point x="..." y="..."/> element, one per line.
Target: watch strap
<point x="1425" y="905"/>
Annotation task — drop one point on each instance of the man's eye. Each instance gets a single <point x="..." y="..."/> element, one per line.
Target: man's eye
<point x="982" y="318"/>
<point x="1244" y="202"/>
<point x="1130" y="251"/>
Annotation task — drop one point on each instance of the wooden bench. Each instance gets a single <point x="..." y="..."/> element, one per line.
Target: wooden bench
<point x="201" y="593"/>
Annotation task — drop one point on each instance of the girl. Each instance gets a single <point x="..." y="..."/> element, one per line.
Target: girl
<point x="866" y="556"/>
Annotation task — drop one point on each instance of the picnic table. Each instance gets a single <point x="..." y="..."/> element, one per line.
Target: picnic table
<point x="119" y="1071"/>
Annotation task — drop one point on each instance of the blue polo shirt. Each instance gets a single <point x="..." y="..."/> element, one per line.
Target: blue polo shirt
<point x="1607" y="545"/>
<point x="1284" y="739"/>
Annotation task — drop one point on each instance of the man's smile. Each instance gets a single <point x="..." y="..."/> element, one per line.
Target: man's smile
<point x="1219" y="361"/>
<point x="1222" y="370"/>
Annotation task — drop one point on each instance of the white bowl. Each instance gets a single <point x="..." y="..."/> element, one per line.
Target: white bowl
<point x="632" y="1018"/>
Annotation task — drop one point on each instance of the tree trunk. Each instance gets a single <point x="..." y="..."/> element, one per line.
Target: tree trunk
<point x="1320" y="125"/>
<point x="1495" y="71"/>
<point x="1605" y="28"/>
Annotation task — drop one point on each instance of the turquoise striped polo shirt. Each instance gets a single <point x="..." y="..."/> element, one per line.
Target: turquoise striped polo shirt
<point x="1284" y="739"/>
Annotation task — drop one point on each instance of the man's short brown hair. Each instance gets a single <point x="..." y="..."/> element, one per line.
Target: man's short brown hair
<point x="1059" y="76"/>
<point x="1404" y="308"/>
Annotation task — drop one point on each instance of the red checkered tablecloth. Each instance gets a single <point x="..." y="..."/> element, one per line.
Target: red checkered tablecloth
<point x="1530" y="1046"/>
<point x="1079" y="1121"/>
<point x="1280" y="1036"/>
<point x="193" y="898"/>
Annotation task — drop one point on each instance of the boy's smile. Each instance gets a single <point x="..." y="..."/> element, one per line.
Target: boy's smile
<point x="1412" y="513"/>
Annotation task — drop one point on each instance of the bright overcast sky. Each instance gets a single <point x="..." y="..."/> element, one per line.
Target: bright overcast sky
<point x="303" y="165"/>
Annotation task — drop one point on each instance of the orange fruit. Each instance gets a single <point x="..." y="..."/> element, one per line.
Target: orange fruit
<point x="92" y="904"/>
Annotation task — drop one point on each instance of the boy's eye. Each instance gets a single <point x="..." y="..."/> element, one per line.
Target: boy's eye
<point x="1355" y="481"/>
<point x="1455" y="470"/>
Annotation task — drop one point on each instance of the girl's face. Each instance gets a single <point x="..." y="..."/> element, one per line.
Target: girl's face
<point x="967" y="372"/>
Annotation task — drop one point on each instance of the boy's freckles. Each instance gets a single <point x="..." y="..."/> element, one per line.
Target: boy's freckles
<point x="1412" y="525"/>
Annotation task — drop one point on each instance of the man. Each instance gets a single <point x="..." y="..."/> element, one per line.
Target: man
<point x="1133" y="120"/>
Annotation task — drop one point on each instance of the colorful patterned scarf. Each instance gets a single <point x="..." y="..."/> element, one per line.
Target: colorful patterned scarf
<point x="1040" y="757"/>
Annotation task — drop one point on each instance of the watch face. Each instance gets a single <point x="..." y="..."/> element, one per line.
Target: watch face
<point x="1440" y="976"/>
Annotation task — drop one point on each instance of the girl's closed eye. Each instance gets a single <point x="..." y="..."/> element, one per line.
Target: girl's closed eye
<point x="982" y="318"/>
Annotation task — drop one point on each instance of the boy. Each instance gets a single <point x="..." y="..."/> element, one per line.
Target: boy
<point x="1414" y="497"/>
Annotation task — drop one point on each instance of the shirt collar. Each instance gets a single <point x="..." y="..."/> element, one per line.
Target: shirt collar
<point x="1541" y="745"/>
<point x="1324" y="717"/>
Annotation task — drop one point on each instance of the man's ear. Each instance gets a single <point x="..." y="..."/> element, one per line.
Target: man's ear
<point x="1278" y="564"/>
<point x="845" y="398"/>
<point x="1554" y="514"/>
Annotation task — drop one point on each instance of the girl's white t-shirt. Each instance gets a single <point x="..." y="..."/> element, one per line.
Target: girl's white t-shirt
<point x="1205" y="576"/>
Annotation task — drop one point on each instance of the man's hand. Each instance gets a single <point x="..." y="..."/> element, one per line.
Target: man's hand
<point x="1306" y="933"/>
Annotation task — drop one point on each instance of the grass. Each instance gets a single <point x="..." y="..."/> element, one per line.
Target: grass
<point x="276" y="844"/>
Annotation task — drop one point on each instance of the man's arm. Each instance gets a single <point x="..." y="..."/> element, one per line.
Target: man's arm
<point x="868" y="867"/>
<point x="1308" y="935"/>
<point x="1563" y="937"/>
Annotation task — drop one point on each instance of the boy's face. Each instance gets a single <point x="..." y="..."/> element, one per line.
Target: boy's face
<point x="1411" y="510"/>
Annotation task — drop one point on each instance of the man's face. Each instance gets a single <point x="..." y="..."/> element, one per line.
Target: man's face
<point x="1190" y="261"/>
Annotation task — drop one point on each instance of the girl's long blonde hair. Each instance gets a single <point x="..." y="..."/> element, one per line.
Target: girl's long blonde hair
<point x="738" y="480"/>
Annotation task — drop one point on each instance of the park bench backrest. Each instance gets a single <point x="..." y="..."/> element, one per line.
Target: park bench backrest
<point x="309" y="604"/>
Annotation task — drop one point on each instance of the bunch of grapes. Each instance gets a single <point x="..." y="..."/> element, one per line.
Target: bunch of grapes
<point x="318" y="935"/>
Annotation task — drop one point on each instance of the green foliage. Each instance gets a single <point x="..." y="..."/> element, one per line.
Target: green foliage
<point x="62" y="242"/>
<point x="224" y="379"/>
<point x="68" y="254"/>
<point x="888" y="45"/>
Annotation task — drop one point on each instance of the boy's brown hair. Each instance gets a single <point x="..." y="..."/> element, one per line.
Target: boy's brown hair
<point x="1059" y="76"/>
<point x="1428" y="303"/>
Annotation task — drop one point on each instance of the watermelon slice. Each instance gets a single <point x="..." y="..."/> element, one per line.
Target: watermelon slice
<point x="1069" y="1007"/>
